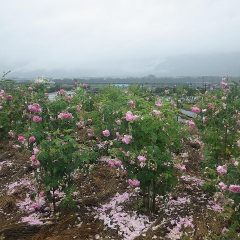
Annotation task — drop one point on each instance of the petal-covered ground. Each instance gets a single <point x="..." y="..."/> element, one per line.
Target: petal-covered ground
<point x="107" y="208"/>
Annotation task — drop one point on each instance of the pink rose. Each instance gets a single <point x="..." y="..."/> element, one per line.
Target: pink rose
<point x="224" y="84"/>
<point x="61" y="92"/>
<point x="114" y="163"/>
<point x="196" y="109"/>
<point x="21" y="138"/>
<point x="35" y="108"/>
<point x="118" y="163"/>
<point x="222" y="169"/>
<point x="42" y="194"/>
<point x="191" y="123"/>
<point x="2" y="93"/>
<point x="34" y="160"/>
<point x="134" y="182"/>
<point x="158" y="103"/>
<point x="106" y="133"/>
<point x="35" y="151"/>
<point x="9" y="97"/>
<point x="36" y="163"/>
<point x="222" y="186"/>
<point x="65" y="115"/>
<point x="127" y="139"/>
<point x="180" y="167"/>
<point x="141" y="158"/>
<point x="234" y="188"/>
<point x="130" y="117"/>
<point x="36" y="119"/>
<point x="32" y="139"/>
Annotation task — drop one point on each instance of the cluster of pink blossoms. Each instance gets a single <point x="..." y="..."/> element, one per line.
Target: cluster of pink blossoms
<point x="180" y="167"/>
<point x="222" y="186"/>
<point x="191" y="123"/>
<point x="196" y="109"/>
<point x="232" y="188"/>
<point x="130" y="117"/>
<point x="158" y="103"/>
<point x="34" y="108"/>
<point x="142" y="160"/>
<point x="65" y="115"/>
<point x="61" y="92"/>
<point x="34" y="160"/>
<point x="134" y="182"/>
<point x="36" y="119"/>
<point x="3" y="95"/>
<point x="69" y="98"/>
<point x="32" y="139"/>
<point x="114" y="163"/>
<point x="127" y="139"/>
<point x="224" y="83"/>
<point x="21" y="138"/>
<point x="222" y="169"/>
<point x="9" y="97"/>
<point x="106" y="133"/>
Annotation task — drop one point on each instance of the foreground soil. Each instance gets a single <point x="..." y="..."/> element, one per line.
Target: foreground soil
<point x="186" y="202"/>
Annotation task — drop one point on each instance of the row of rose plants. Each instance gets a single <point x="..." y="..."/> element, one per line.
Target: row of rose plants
<point x="218" y="121"/>
<point x="48" y="130"/>
<point x="138" y="130"/>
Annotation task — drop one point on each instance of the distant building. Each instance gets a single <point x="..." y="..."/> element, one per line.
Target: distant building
<point x="44" y="80"/>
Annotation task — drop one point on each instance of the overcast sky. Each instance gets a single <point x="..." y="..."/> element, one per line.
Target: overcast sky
<point x="114" y="37"/>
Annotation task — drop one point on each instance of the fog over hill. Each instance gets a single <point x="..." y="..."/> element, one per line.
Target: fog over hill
<point x="182" y="65"/>
<point x="201" y="64"/>
<point x="75" y="38"/>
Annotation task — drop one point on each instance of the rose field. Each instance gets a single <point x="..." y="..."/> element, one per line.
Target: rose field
<point x="123" y="163"/>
